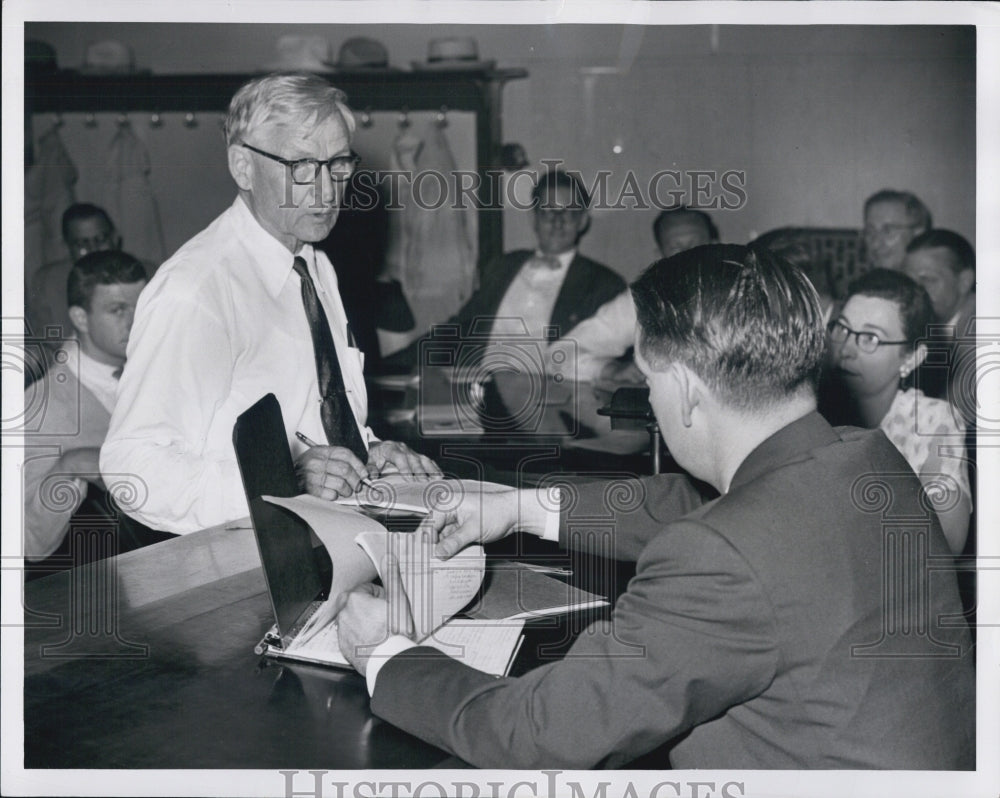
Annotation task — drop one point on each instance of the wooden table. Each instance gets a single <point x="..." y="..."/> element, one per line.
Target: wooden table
<point x="146" y="660"/>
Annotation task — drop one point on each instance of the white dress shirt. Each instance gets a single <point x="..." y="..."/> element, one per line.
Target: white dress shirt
<point x="527" y="305"/>
<point x="98" y="378"/>
<point x="219" y="326"/>
<point x="604" y="336"/>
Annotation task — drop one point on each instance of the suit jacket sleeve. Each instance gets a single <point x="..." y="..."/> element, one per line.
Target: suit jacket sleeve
<point x="618" y="518"/>
<point x="692" y="636"/>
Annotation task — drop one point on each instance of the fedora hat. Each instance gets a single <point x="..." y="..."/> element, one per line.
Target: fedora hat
<point x="307" y="53"/>
<point x="453" y="52"/>
<point x="360" y="52"/>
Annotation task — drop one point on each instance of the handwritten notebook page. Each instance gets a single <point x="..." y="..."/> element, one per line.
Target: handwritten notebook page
<point x="436" y="589"/>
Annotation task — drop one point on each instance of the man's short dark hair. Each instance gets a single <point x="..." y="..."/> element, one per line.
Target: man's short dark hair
<point x="965" y="255"/>
<point x="745" y="321"/>
<point x="672" y="214"/>
<point x="80" y="211"/>
<point x="915" y="209"/>
<point x="557" y="178"/>
<point x="913" y="301"/>
<point x="109" y="267"/>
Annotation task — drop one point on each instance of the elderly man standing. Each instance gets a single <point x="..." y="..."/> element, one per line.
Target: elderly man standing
<point x="756" y="632"/>
<point x="245" y="308"/>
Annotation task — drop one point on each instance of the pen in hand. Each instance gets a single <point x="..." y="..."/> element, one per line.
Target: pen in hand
<point x="306" y="439"/>
<point x="312" y="444"/>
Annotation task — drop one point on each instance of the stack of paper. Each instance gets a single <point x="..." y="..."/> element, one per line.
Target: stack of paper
<point x="360" y="549"/>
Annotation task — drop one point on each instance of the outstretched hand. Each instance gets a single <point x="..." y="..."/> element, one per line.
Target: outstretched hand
<point x="478" y="518"/>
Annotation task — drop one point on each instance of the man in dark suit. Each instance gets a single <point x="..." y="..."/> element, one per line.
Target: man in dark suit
<point x="762" y="627"/>
<point x="541" y="293"/>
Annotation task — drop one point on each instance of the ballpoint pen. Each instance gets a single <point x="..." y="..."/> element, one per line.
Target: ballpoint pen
<point x="311" y="443"/>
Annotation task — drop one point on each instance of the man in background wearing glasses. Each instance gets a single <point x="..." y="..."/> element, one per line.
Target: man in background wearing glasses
<point x="233" y="316"/>
<point x="892" y="220"/>
<point x="538" y="294"/>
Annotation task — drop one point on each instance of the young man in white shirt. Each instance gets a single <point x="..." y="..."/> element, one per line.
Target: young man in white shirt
<point x="68" y="410"/>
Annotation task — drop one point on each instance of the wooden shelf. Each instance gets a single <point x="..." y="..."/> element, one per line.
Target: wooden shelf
<point x="377" y="90"/>
<point x="475" y="90"/>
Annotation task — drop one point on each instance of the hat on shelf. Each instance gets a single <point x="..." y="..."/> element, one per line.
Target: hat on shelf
<point x="109" y="57"/>
<point x="453" y="53"/>
<point x="361" y="52"/>
<point x="307" y="53"/>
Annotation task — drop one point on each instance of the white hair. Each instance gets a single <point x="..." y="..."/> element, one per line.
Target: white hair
<point x="287" y="97"/>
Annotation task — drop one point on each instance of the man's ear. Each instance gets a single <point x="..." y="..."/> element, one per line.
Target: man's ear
<point x="689" y="391"/>
<point x="966" y="281"/>
<point x="240" y="166"/>
<point x="116" y="240"/>
<point x="583" y="224"/>
<point x="78" y="317"/>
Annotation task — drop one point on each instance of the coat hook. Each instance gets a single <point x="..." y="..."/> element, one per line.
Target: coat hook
<point x="90" y="120"/>
<point x="442" y="117"/>
<point x="155" y="120"/>
<point x="189" y="120"/>
<point x="366" y="118"/>
<point x="404" y="118"/>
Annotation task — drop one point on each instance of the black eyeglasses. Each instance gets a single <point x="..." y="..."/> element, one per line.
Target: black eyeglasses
<point x="306" y="170"/>
<point x="867" y="342"/>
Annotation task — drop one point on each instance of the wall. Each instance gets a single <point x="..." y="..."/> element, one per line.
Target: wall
<point x="816" y="117"/>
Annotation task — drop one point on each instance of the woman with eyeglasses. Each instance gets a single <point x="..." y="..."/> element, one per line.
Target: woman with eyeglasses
<point x="874" y="349"/>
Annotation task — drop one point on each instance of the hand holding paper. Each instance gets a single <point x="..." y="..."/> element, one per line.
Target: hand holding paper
<point x="484" y="517"/>
<point x="370" y="614"/>
<point x="436" y="590"/>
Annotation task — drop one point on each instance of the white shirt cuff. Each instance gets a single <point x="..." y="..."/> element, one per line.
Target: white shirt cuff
<point x="551" y="529"/>
<point x="383" y="652"/>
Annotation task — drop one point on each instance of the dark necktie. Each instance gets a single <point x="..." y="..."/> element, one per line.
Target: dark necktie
<point x="335" y="409"/>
